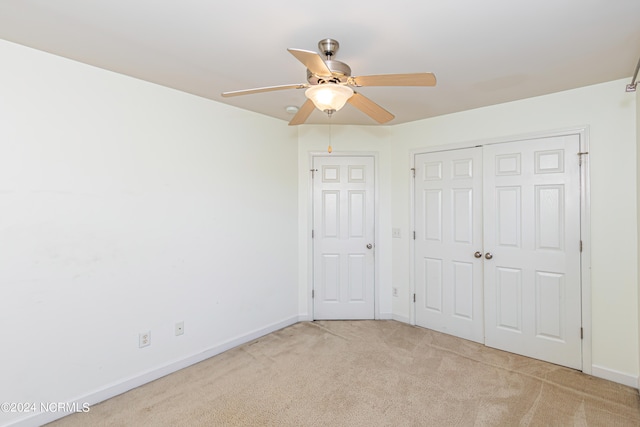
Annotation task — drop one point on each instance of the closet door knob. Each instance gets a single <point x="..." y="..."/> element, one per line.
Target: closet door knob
<point x="478" y="255"/>
<point x="488" y="255"/>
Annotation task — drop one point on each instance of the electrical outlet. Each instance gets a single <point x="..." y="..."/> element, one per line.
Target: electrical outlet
<point x="144" y="339"/>
<point x="179" y="329"/>
<point x="395" y="233"/>
<point x="395" y="292"/>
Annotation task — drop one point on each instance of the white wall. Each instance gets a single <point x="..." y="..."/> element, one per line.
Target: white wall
<point x="126" y="207"/>
<point x="610" y="114"/>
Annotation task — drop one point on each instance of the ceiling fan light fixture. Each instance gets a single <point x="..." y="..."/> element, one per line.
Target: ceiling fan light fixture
<point x="329" y="96"/>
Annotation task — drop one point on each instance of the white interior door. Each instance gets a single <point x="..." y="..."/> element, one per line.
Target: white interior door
<point x="532" y="249"/>
<point x="448" y="242"/>
<point x="343" y="237"/>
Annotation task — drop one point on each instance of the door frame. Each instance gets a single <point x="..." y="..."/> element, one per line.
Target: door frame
<point x="585" y="220"/>
<point x="376" y="225"/>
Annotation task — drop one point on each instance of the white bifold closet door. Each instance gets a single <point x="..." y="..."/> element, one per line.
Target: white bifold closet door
<point x="532" y="231"/>
<point x="528" y="300"/>
<point x="448" y="222"/>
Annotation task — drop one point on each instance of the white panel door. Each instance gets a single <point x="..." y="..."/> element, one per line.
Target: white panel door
<point x="531" y="242"/>
<point x="343" y="237"/>
<point x="448" y="272"/>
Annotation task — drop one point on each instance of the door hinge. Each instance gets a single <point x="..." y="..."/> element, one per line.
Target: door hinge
<point x="413" y="171"/>
<point x="313" y="293"/>
<point x="581" y="333"/>
<point x="414" y="235"/>
<point x="313" y="234"/>
<point x="313" y="173"/>
<point x="580" y="245"/>
<point x="414" y="297"/>
<point x="584" y="153"/>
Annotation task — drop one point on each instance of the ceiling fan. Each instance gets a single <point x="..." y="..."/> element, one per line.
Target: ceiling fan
<point x="330" y="84"/>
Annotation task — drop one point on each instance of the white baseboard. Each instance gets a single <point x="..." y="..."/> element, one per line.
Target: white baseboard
<point x="114" y="389"/>
<point x="385" y="316"/>
<point x="615" y="376"/>
<point x="402" y="319"/>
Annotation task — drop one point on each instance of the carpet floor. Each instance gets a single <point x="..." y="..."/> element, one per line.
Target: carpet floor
<point x="368" y="373"/>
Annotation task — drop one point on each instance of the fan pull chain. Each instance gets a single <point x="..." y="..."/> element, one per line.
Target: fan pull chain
<point x="330" y="114"/>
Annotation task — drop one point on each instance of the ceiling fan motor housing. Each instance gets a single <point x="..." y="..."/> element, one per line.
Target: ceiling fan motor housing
<point x="340" y="73"/>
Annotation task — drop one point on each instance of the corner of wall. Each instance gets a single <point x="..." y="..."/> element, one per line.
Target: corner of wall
<point x="637" y="106"/>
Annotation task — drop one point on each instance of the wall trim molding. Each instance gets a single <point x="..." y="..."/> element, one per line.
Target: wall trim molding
<point x="126" y="384"/>
<point x="402" y="319"/>
<point x="615" y="376"/>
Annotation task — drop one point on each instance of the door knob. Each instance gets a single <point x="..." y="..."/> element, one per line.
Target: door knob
<point x="488" y="255"/>
<point x="478" y="255"/>
<point x="369" y="245"/>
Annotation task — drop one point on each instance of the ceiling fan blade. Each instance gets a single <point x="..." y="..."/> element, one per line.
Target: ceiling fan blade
<point x="412" y="79"/>
<point x="303" y="113"/>
<point x="263" y="89"/>
<point x="312" y="61"/>
<point x="370" y="108"/>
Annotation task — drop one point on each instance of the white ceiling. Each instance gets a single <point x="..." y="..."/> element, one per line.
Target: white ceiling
<point x="482" y="52"/>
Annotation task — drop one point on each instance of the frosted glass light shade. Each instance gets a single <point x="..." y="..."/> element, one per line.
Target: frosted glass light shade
<point x="329" y="96"/>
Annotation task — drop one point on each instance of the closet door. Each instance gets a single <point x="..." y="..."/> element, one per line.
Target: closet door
<point x="532" y="249"/>
<point x="448" y="242"/>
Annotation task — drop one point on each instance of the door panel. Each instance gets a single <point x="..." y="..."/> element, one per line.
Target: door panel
<point x="509" y="296"/>
<point x="532" y="229"/>
<point x="463" y="289"/>
<point x="433" y="285"/>
<point x="508" y="216"/>
<point x="343" y="223"/>
<point x="448" y="232"/>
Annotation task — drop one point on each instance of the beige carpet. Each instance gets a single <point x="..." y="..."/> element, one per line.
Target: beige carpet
<point x="368" y="373"/>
